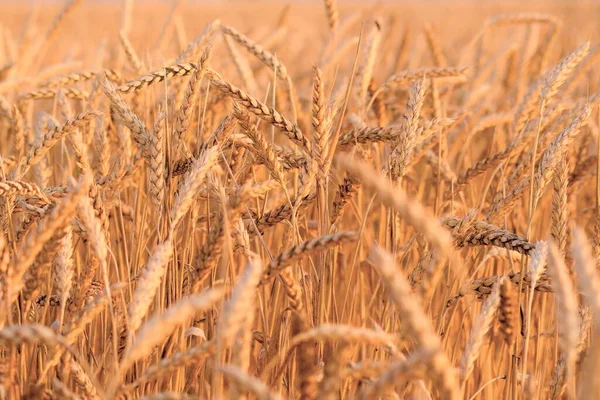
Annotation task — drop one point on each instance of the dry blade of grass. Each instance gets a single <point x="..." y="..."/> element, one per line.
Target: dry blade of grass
<point x="149" y="282"/>
<point x="587" y="276"/>
<point x="52" y="137"/>
<point x="158" y="327"/>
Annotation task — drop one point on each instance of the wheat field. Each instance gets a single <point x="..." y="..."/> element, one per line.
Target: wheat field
<point x="320" y="200"/>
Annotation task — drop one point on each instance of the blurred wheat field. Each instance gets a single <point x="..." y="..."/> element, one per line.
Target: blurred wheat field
<point x="314" y="200"/>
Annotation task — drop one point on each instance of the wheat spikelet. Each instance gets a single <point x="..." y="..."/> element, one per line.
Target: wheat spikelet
<point x="258" y="51"/>
<point x="365" y="70"/>
<point x="434" y="46"/>
<point x="158" y="327"/>
<point x="545" y="168"/>
<point x="249" y="383"/>
<point x="41" y="170"/>
<point x="370" y="134"/>
<point x="264" y="149"/>
<point x="68" y="8"/>
<point x="19" y="188"/>
<point x="200" y="41"/>
<point x="559" y="205"/>
<point x="411" y="76"/>
<point x="306" y="248"/>
<point x="132" y="55"/>
<point x="261" y="110"/>
<point x="559" y="74"/>
<point x="404" y="146"/>
<point x="242" y="65"/>
<point x="587" y="275"/>
<point x="332" y="13"/>
<point x="306" y="351"/>
<point x="169" y="365"/>
<point x="345" y="192"/>
<point x="213" y="247"/>
<point x="80" y="150"/>
<point x="320" y="134"/>
<point x="190" y="99"/>
<point x="30" y="334"/>
<point x="78" y="77"/>
<point x="551" y="157"/>
<point x="73" y="329"/>
<point x="412" y="211"/>
<point x="557" y="384"/>
<point x="235" y="313"/>
<point x="6" y="270"/>
<point x="481" y="233"/>
<point x="82" y="381"/>
<point x="53" y="136"/>
<point x="5" y="70"/>
<point x="192" y="181"/>
<point x="566" y="312"/>
<point x="290" y="158"/>
<point x="153" y="77"/>
<point x="129" y="118"/>
<point x="481" y="327"/>
<point x="279" y="214"/>
<point x="18" y="130"/>
<point x="481" y="287"/>
<point x="423" y="135"/>
<point x="417" y="323"/>
<point x="545" y="88"/>
<point x="64" y="269"/>
<point x="346" y="333"/>
<point x="482" y="166"/>
<point x="414" y="365"/>
<point x="157" y="163"/>
<point x="63" y="391"/>
<point x="50" y="93"/>
<point x="93" y="227"/>
<point x="35" y="244"/>
<point x="506" y="311"/>
<point x="520" y="18"/>
<point x="38" y="272"/>
<point x="333" y="374"/>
